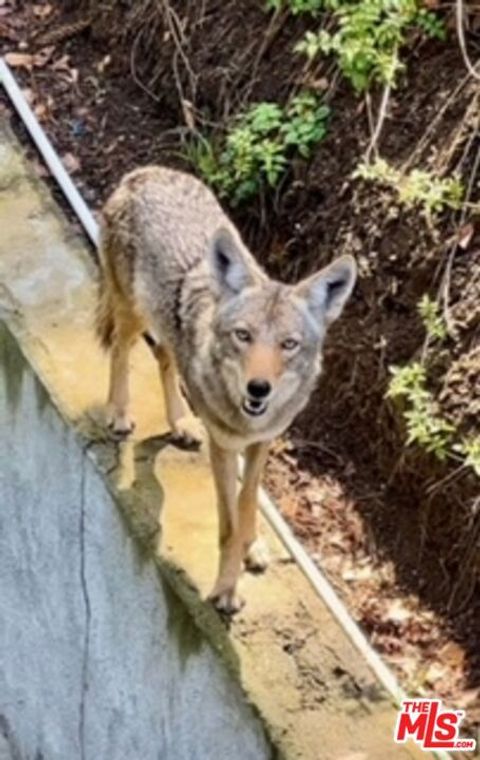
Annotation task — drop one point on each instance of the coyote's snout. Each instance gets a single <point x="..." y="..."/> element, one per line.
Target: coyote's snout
<point x="248" y="349"/>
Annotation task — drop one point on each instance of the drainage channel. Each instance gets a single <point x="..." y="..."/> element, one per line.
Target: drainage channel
<point x="317" y="580"/>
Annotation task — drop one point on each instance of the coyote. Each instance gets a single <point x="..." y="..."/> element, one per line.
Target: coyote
<point x="245" y="350"/>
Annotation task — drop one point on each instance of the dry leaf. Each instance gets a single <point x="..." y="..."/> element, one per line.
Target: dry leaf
<point x="5" y="31"/>
<point x="29" y="95"/>
<point x="397" y="611"/>
<point x="102" y="65"/>
<point x="465" y="235"/>
<point x="40" y="110"/>
<point x="358" y="573"/>
<point x="62" y="64"/>
<point x="29" y="60"/>
<point x="452" y="655"/>
<point x="43" y="56"/>
<point x="20" y="60"/>
<point x="434" y="673"/>
<point x="42" y="11"/>
<point x="71" y="163"/>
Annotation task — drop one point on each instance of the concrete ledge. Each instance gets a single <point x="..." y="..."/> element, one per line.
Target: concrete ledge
<point x="109" y="548"/>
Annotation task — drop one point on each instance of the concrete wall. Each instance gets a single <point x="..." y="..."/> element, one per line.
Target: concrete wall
<point x="99" y="660"/>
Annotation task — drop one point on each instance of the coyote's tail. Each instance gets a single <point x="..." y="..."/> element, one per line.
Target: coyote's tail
<point x="104" y="316"/>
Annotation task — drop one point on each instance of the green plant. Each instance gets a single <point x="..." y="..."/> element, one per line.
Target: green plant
<point x="470" y="448"/>
<point x="432" y="319"/>
<point x="256" y="150"/>
<point x="408" y="381"/>
<point x="305" y="124"/>
<point x="434" y="194"/>
<point x="424" y="426"/>
<point x="431" y="24"/>
<point x="418" y="188"/>
<point x="368" y="37"/>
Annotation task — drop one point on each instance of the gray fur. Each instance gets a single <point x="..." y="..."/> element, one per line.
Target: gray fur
<point x="175" y="258"/>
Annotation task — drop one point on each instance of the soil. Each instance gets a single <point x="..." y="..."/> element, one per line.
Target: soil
<point x="396" y="531"/>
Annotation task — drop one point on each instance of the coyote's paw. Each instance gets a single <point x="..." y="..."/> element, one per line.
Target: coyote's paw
<point x="258" y="557"/>
<point x="226" y="601"/>
<point x="187" y="431"/>
<point x="121" y="425"/>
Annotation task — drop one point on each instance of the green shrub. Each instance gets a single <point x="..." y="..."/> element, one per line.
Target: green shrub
<point x="368" y="37"/>
<point x="424" y="425"/>
<point x="256" y="150"/>
<point x="419" y="188"/>
<point x="432" y="319"/>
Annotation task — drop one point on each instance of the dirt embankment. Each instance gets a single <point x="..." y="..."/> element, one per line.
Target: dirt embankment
<point x="125" y="84"/>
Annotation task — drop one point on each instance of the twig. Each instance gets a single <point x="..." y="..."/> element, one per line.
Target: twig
<point x="382" y="112"/>
<point x="445" y="286"/>
<point x="180" y="41"/>
<point x="133" y="70"/>
<point x="445" y="156"/>
<point x="461" y="40"/>
<point x="423" y="142"/>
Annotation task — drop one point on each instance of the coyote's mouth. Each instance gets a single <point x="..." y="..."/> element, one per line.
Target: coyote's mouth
<point x="253" y="407"/>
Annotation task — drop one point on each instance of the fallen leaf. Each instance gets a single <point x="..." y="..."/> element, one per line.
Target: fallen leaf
<point x="6" y="32"/>
<point x="29" y="95"/>
<point x="71" y="163"/>
<point x="42" y="11"/>
<point x="29" y="60"/>
<point x="20" y="60"/>
<point x="102" y="65"/>
<point x="62" y="64"/>
<point x="397" y="611"/>
<point x="43" y="56"/>
<point x="434" y="673"/>
<point x="452" y="655"/>
<point x="358" y="573"/>
<point x="40" y="110"/>
<point x="465" y="235"/>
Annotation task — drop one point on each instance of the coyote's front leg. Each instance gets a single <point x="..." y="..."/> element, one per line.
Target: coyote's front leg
<point x="237" y="519"/>
<point x="255" y="551"/>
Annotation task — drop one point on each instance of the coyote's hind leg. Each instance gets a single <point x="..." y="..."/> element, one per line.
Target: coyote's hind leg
<point x="125" y="333"/>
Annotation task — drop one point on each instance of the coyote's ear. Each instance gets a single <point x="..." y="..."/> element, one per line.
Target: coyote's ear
<point x="229" y="265"/>
<point x="327" y="291"/>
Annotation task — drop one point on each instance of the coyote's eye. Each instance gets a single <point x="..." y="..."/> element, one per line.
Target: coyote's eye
<point x="242" y="335"/>
<point x="289" y="344"/>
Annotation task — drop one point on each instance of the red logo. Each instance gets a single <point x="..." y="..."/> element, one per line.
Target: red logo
<point x="430" y="726"/>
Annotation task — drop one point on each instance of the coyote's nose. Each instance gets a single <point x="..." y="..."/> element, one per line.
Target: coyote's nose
<point x="258" y="388"/>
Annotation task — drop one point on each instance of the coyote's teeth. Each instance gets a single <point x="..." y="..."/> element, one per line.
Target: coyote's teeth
<point x="254" y="407"/>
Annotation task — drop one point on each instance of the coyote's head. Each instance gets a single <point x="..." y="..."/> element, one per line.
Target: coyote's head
<point x="267" y="337"/>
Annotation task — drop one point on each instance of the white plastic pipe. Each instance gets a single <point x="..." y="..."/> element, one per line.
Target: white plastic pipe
<point x="268" y="508"/>
<point x="48" y="153"/>
<point x="336" y="606"/>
